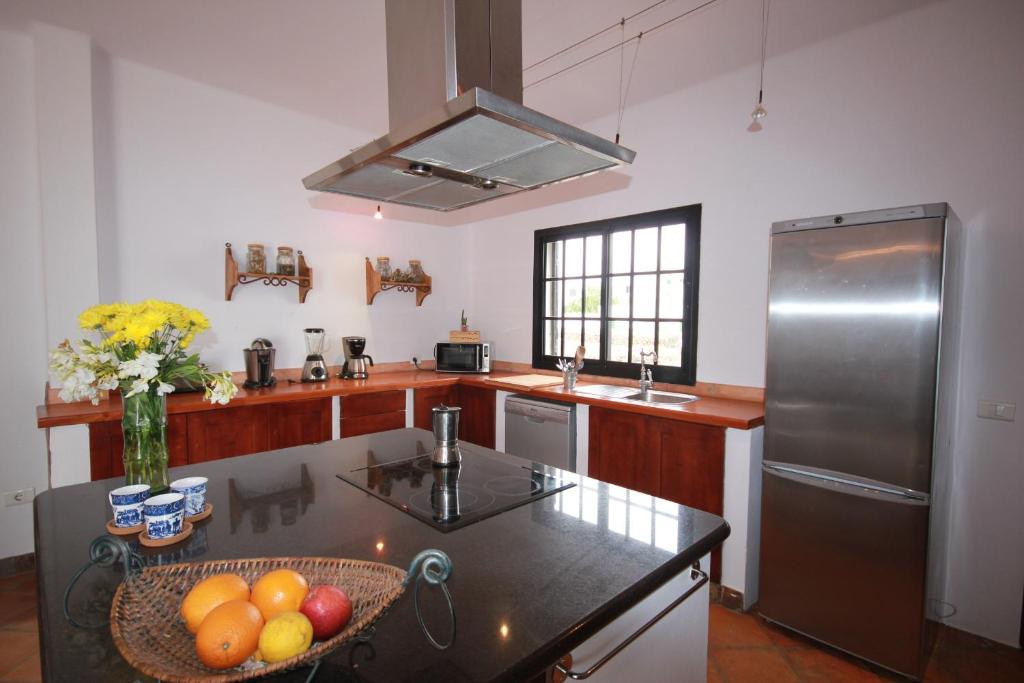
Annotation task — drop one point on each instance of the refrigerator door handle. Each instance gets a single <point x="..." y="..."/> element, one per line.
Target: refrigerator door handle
<point x="851" y="483"/>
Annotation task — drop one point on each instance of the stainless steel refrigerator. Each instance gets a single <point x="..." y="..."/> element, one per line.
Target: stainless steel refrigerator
<point x="859" y="423"/>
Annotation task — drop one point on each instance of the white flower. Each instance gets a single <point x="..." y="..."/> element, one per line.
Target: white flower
<point x="163" y="388"/>
<point x="221" y="389"/>
<point x="138" y="386"/>
<point x="145" y="367"/>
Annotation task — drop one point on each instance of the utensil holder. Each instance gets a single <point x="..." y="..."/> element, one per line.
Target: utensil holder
<point x="568" y="380"/>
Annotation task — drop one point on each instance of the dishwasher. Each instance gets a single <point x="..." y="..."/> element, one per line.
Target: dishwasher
<point x="541" y="431"/>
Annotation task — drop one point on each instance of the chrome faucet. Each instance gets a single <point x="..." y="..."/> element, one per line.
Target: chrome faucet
<point x="646" y="377"/>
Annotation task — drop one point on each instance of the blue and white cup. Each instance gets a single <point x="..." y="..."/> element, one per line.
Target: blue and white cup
<point x="194" y="490"/>
<point x="165" y="515"/>
<point x="127" y="504"/>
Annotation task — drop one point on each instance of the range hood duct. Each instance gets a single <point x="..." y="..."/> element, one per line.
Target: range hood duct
<point x="459" y="133"/>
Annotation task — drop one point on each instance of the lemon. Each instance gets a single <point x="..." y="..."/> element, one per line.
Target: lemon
<point x="286" y="635"/>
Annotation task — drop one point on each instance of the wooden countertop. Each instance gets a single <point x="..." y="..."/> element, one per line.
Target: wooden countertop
<point x="710" y="410"/>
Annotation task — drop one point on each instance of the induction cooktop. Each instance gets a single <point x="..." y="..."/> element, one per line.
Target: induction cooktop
<point x="448" y="498"/>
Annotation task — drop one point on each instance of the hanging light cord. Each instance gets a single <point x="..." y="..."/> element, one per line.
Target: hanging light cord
<point x="624" y="95"/>
<point x="618" y="45"/>
<point x="766" y="6"/>
<point x="575" y="45"/>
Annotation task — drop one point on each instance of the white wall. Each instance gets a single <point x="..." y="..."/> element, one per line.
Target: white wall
<point x="23" y="333"/>
<point x="194" y="167"/>
<point x="922" y="107"/>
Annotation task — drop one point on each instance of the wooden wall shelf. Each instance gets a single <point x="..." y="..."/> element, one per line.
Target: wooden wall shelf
<point x="374" y="285"/>
<point x="233" y="278"/>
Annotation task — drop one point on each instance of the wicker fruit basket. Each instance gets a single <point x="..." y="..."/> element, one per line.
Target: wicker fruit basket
<point x="150" y="635"/>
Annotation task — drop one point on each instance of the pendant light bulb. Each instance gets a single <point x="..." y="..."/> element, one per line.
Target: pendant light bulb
<point x="759" y="112"/>
<point x="377" y="214"/>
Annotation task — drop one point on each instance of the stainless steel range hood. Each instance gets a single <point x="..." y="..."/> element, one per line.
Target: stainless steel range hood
<point x="459" y="132"/>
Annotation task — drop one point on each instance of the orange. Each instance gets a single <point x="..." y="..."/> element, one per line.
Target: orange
<point x="209" y="593"/>
<point x="229" y="634"/>
<point x="281" y="590"/>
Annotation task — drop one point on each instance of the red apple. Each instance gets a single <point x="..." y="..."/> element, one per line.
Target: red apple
<point x="328" y="608"/>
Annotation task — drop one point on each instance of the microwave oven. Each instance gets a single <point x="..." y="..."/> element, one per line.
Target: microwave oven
<point x="456" y="357"/>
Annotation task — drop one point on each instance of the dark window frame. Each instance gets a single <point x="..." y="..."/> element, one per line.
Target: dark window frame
<point x="691" y="216"/>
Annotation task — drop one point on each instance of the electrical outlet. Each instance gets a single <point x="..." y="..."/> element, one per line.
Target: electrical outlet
<point x="19" y="497"/>
<point x="994" y="410"/>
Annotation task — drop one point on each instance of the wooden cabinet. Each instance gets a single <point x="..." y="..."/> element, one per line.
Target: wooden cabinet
<point x="679" y="461"/>
<point x="476" y="420"/>
<point x="298" y="423"/>
<point x="379" y="411"/>
<point x="425" y="399"/>
<point x="106" y="447"/>
<point x="476" y="424"/>
<point x="218" y="433"/>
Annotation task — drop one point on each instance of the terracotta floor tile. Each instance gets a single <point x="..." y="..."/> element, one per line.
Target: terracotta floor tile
<point x="29" y="671"/>
<point x="19" y="582"/>
<point x="783" y="637"/>
<point x="816" y="664"/>
<point x="713" y="675"/>
<point x="25" y="621"/>
<point x="734" y="629"/>
<point x="15" y="648"/>
<point x="764" y="665"/>
<point x="14" y="604"/>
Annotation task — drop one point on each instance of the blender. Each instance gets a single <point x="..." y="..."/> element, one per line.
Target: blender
<point x="315" y="368"/>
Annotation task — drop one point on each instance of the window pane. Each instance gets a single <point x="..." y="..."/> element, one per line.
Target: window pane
<point x="644" y="295"/>
<point x="618" y="292"/>
<point x="573" y="298"/>
<point x="670" y="344"/>
<point x="645" y="245"/>
<point x="592" y="302"/>
<point x="553" y="258"/>
<point x="573" y="336"/>
<point x="670" y="298"/>
<point x="621" y="256"/>
<point x="673" y="247"/>
<point x="643" y="339"/>
<point x="592" y="338"/>
<point x="553" y="338"/>
<point x="574" y="257"/>
<point x="553" y="298"/>
<point x="595" y="247"/>
<point x="618" y="341"/>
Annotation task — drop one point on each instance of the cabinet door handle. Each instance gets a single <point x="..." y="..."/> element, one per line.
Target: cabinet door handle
<point x="695" y="573"/>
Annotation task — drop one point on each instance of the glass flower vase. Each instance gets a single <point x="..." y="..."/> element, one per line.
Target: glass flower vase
<point x="144" y="424"/>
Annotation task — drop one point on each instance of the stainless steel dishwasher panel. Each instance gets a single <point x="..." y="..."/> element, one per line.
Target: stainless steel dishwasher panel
<point x="541" y="431"/>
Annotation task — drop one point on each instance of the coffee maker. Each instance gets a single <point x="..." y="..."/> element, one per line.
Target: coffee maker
<point x="259" y="364"/>
<point x="355" y="366"/>
<point x="315" y="367"/>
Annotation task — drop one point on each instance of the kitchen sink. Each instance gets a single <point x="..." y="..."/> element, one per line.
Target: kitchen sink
<point x="662" y="397"/>
<point x="665" y="398"/>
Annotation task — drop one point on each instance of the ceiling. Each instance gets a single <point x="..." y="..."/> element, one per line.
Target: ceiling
<point x="326" y="58"/>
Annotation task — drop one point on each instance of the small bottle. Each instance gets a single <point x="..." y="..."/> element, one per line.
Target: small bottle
<point x="285" y="261"/>
<point x="384" y="267"/>
<point x="257" y="260"/>
<point x="416" y="271"/>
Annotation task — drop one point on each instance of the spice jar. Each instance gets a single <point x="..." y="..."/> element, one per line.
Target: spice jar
<point x="285" y="261"/>
<point x="257" y="260"/>
<point x="416" y="271"/>
<point x="384" y="267"/>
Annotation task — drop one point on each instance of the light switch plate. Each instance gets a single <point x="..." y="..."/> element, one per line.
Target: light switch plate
<point x="994" y="410"/>
<point x="19" y="497"/>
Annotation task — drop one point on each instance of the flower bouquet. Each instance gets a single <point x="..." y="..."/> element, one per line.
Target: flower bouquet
<point x="141" y="352"/>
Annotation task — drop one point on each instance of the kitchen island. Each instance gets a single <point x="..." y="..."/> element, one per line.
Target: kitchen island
<point x="530" y="584"/>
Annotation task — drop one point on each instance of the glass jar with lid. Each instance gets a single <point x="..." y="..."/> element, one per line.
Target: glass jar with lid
<point x="384" y="267"/>
<point x="256" y="261"/>
<point x="285" y="261"/>
<point x="416" y="271"/>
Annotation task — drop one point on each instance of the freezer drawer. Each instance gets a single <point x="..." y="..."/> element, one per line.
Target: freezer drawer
<point x="845" y="565"/>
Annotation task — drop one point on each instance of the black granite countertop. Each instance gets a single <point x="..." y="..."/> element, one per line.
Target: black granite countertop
<point x="529" y="584"/>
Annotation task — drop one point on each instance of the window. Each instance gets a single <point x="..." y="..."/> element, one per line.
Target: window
<point x="617" y="287"/>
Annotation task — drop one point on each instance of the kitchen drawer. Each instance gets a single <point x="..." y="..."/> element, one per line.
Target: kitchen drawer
<point x="369" y="424"/>
<point x="359" y="405"/>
